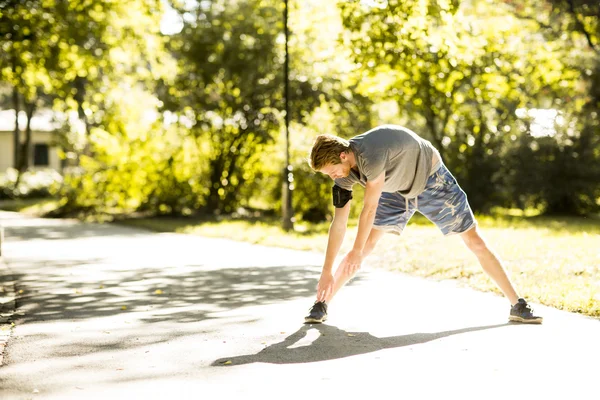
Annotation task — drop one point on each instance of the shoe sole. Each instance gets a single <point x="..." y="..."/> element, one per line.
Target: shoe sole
<point x="514" y="318"/>
<point x="308" y="320"/>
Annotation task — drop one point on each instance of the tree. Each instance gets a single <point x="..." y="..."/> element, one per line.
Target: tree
<point x="573" y="155"/>
<point x="230" y="86"/>
<point x="458" y="76"/>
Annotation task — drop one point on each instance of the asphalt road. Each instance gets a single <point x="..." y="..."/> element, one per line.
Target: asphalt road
<point x="111" y="312"/>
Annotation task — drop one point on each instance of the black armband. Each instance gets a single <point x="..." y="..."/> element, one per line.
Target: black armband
<point x="340" y="196"/>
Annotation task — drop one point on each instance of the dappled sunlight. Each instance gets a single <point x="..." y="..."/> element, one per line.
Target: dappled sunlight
<point x="50" y="292"/>
<point x="82" y="300"/>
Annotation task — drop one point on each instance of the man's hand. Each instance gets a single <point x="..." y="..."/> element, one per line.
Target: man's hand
<point x="351" y="263"/>
<point x="325" y="286"/>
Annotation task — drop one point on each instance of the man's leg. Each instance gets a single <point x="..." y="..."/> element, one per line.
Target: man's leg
<point x="446" y="205"/>
<point x="340" y="278"/>
<point x="490" y="263"/>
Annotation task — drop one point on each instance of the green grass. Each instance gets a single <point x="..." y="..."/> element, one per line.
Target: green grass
<point x="553" y="261"/>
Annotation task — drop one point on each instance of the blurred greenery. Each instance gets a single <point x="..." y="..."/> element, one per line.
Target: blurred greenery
<point x="32" y="206"/>
<point x="32" y="184"/>
<point x="188" y="120"/>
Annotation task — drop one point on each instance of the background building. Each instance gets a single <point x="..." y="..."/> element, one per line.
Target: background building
<point x="44" y="152"/>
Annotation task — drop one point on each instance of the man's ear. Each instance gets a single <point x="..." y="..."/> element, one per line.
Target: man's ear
<point x="343" y="156"/>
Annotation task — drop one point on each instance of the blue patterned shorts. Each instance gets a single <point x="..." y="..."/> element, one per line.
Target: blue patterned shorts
<point x="443" y="202"/>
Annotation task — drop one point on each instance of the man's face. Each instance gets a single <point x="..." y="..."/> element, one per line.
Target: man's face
<point x="336" y="171"/>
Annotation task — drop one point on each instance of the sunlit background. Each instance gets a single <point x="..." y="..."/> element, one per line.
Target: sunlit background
<point x="178" y="107"/>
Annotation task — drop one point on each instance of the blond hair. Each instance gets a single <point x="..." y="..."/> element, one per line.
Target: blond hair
<point x="326" y="150"/>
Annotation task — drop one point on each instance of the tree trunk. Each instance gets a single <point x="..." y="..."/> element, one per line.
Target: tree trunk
<point x="16" y="137"/>
<point x="431" y="116"/>
<point x="232" y="193"/>
<point x="213" y="200"/>
<point x="26" y="148"/>
<point x="79" y="97"/>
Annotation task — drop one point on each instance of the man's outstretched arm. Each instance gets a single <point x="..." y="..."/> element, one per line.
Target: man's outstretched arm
<point x="373" y="191"/>
<point x="337" y="231"/>
<point x="340" y="278"/>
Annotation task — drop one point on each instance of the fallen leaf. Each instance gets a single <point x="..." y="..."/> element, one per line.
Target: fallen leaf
<point x="124" y="308"/>
<point x="227" y="363"/>
<point x="106" y="331"/>
<point x="350" y="334"/>
<point x="263" y="342"/>
<point x="158" y="291"/>
<point x="101" y="287"/>
<point x="282" y="333"/>
<point x="21" y="291"/>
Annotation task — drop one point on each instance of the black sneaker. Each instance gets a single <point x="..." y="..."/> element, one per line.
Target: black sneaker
<point x="522" y="312"/>
<point x="317" y="313"/>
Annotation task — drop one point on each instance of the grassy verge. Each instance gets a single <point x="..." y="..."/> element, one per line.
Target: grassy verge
<point x="34" y="207"/>
<point x="553" y="261"/>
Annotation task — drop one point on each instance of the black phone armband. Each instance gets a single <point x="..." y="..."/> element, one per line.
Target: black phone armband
<point x="341" y="196"/>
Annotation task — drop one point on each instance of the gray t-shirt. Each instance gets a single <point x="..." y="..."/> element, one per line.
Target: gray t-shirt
<point x="405" y="157"/>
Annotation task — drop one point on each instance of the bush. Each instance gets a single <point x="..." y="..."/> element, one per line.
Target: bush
<point x="32" y="184"/>
<point x="558" y="177"/>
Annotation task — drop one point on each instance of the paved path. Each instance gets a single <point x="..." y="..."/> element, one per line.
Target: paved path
<point x="110" y="312"/>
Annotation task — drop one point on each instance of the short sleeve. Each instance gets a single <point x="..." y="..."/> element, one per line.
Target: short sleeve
<point x="345" y="183"/>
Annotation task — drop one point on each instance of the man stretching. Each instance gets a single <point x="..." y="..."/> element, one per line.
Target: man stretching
<point x="401" y="173"/>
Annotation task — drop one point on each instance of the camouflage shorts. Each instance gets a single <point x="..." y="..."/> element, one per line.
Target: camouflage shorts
<point x="443" y="202"/>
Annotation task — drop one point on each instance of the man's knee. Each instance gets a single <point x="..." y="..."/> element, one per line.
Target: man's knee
<point x="475" y="243"/>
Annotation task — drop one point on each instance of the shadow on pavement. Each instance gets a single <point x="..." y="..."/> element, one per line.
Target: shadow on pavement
<point x="88" y="282"/>
<point x="66" y="290"/>
<point x="333" y="343"/>
<point x="51" y="231"/>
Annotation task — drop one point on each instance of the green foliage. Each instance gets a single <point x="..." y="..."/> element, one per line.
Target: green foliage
<point x="229" y="87"/>
<point x="174" y="124"/>
<point x="559" y="174"/>
<point x="140" y="165"/>
<point x="562" y="172"/>
<point x="458" y="76"/>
